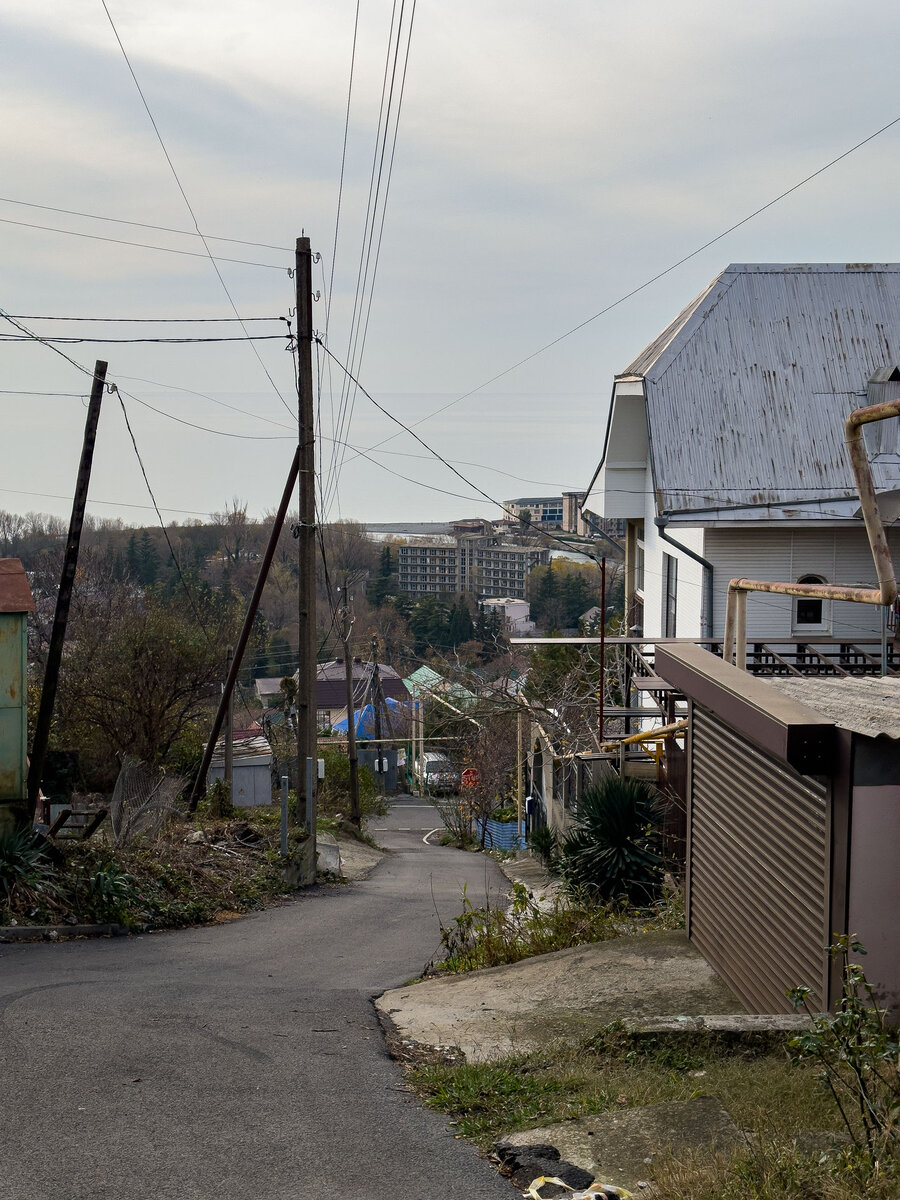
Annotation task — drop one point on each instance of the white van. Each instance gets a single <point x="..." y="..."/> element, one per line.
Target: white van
<point x="440" y="777"/>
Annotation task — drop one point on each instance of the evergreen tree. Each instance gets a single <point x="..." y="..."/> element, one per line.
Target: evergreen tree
<point x="147" y="560"/>
<point x="385" y="583"/>
<point x="132" y="559"/>
<point x="460" y="627"/>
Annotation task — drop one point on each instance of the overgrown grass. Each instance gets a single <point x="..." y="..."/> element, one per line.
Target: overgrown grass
<point x="160" y="881"/>
<point x="774" y="1169"/>
<point x="758" y="1085"/>
<point x="492" y="936"/>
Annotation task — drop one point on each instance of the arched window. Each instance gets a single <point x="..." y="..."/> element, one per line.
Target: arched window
<point x="811" y="613"/>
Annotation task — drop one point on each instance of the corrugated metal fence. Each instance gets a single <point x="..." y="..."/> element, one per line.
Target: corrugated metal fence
<point x="757" y="869"/>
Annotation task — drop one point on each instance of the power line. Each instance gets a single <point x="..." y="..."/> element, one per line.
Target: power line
<point x="654" y="278"/>
<point x="187" y="202"/>
<point x="337" y="219"/>
<point x="109" y="503"/>
<point x="96" y="237"/>
<point x="210" y="237"/>
<point x="376" y="197"/>
<point x="183" y="341"/>
<point x="151" y="320"/>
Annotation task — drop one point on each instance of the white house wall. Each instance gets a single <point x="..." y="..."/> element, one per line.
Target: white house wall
<point x="838" y="555"/>
<point x="688" y="620"/>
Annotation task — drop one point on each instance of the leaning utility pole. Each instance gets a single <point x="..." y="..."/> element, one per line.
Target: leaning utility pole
<point x="229" y="729"/>
<point x="306" y="537"/>
<point x="64" y="595"/>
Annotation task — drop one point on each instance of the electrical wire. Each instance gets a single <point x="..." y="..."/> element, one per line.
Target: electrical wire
<point x="151" y="320"/>
<point x="377" y="199"/>
<point x="358" y="361"/>
<point x="96" y="237"/>
<point x="102" y="341"/>
<point x="210" y="237"/>
<point x="187" y="202"/>
<point x="653" y="279"/>
<point x="337" y="218"/>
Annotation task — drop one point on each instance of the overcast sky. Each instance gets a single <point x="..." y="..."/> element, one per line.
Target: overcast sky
<point x="550" y="158"/>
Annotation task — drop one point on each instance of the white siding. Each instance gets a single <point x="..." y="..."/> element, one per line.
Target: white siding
<point x="688" y="621"/>
<point x="838" y="555"/>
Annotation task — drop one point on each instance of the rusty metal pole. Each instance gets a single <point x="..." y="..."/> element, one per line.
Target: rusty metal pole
<point x="602" y="645"/>
<point x="64" y="596"/>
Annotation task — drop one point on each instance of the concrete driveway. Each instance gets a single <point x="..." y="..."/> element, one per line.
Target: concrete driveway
<point x="239" y="1062"/>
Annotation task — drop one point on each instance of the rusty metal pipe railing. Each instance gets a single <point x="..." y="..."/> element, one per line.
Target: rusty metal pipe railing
<point x="734" y="646"/>
<point x="651" y="735"/>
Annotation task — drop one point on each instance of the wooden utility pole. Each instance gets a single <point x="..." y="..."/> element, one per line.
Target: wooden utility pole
<point x="64" y="595"/>
<point x="377" y="701"/>
<point x="346" y="626"/>
<point x="249" y="617"/>
<point x="306" y="535"/>
<point x="229" y="729"/>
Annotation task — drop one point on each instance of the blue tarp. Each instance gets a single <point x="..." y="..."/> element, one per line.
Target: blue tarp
<point x="365" y="719"/>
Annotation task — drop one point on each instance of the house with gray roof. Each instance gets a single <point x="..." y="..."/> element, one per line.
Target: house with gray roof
<point x="724" y="451"/>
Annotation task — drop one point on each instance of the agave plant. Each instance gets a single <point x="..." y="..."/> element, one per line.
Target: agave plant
<point x="25" y="865"/>
<point x="614" y="847"/>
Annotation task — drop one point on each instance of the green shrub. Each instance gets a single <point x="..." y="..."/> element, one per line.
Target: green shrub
<point x="858" y="1056"/>
<point x="614" y="848"/>
<point x="543" y="842"/>
<point x="27" y="872"/>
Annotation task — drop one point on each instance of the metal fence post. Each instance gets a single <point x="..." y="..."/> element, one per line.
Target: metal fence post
<point x="310" y="796"/>
<point x="284" y="815"/>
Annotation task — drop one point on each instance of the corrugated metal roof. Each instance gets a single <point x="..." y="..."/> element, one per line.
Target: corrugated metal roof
<point x="866" y="705"/>
<point x="748" y="389"/>
<point x="244" y="748"/>
<point x="15" y="594"/>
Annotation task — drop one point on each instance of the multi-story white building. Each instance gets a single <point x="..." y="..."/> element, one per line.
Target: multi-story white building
<point x="476" y="565"/>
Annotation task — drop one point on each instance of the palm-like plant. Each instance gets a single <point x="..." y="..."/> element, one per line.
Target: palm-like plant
<point x="614" y="848"/>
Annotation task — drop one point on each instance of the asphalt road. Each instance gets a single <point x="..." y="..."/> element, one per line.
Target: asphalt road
<point x="237" y="1062"/>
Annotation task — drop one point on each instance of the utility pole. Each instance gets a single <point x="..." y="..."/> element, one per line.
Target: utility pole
<point x="346" y="626"/>
<point x="377" y="701"/>
<point x="306" y="536"/>
<point x="229" y="729"/>
<point x="249" y="617"/>
<point x="64" y="595"/>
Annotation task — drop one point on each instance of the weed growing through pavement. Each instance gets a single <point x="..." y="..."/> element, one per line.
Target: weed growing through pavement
<point x="490" y="936"/>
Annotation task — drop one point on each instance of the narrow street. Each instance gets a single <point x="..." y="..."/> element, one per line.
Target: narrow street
<point x="237" y="1062"/>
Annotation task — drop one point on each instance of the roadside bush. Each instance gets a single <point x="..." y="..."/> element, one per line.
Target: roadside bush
<point x="333" y="794"/>
<point x="27" y="874"/>
<point x="859" y="1059"/>
<point x="543" y="842"/>
<point x="614" y="849"/>
<point x="490" y="937"/>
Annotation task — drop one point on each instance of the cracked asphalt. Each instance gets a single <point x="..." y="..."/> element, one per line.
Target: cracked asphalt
<point x="237" y="1061"/>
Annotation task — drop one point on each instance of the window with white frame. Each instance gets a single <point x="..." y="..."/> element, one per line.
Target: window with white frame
<point x="811" y="614"/>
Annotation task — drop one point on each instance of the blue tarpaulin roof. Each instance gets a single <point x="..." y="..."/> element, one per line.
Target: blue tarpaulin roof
<point x="365" y="719"/>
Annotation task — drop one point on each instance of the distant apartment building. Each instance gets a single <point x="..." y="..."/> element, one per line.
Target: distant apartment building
<point x="546" y="511"/>
<point x="478" y="564"/>
<point x="564" y="513"/>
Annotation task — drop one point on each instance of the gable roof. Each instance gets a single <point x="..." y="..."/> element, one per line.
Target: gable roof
<point x="748" y="388"/>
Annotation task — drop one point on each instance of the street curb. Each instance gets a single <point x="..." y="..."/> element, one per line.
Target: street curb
<point x="53" y="933"/>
